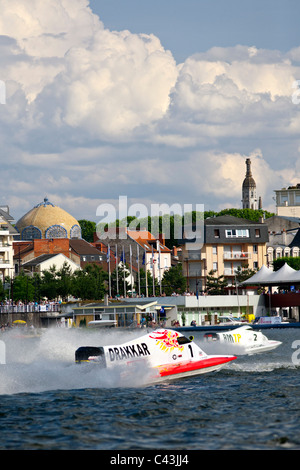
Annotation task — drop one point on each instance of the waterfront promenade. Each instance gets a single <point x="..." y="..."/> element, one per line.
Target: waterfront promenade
<point x="35" y="314"/>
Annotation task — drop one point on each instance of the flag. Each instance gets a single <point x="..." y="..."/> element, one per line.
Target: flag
<point x="122" y="258"/>
<point x="144" y="258"/>
<point x="108" y="254"/>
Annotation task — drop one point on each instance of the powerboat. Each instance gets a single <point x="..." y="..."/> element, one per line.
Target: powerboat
<point x="243" y="339"/>
<point x="102" y="323"/>
<point x="229" y="320"/>
<point x="165" y="354"/>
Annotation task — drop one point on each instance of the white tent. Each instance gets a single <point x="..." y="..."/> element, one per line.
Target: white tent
<point x="284" y="275"/>
<point x="261" y="277"/>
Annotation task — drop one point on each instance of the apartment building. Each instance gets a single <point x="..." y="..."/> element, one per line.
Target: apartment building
<point x="228" y="242"/>
<point x="7" y="234"/>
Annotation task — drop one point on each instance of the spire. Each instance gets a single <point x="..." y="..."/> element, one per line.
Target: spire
<point x="249" y="180"/>
<point x="249" y="198"/>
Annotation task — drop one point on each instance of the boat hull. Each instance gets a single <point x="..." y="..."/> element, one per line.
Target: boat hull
<point x="211" y="364"/>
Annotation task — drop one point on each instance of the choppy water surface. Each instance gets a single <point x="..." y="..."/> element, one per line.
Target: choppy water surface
<point x="48" y="403"/>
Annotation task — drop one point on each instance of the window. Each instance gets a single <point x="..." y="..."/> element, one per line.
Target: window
<point x="215" y="266"/>
<point x="257" y="233"/>
<point x="56" y="231"/>
<point x="237" y="233"/>
<point x="217" y="233"/>
<point x="31" y="232"/>
<point x="214" y="250"/>
<point x="75" y="231"/>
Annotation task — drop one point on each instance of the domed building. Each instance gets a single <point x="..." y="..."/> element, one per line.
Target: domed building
<point x="46" y="220"/>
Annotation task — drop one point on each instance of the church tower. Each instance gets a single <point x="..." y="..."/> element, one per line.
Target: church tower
<point x="249" y="198"/>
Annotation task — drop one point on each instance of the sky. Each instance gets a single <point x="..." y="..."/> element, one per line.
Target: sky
<point x="156" y="102"/>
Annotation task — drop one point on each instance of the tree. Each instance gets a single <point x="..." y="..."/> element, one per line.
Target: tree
<point x="2" y="291"/>
<point x="64" y="281"/>
<point x="22" y="288"/>
<point x="215" y="285"/>
<point x="174" y="281"/>
<point x="249" y="214"/>
<point x="88" y="228"/>
<point x="292" y="262"/>
<point x="90" y="283"/>
<point x="243" y="273"/>
<point x="49" y="284"/>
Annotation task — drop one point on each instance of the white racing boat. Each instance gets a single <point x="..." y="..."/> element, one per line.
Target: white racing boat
<point x="244" y="340"/>
<point x="167" y="354"/>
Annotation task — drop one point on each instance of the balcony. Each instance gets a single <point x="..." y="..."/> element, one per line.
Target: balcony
<point x="4" y="246"/>
<point x="238" y="255"/>
<point x="5" y="263"/>
<point x="229" y="272"/>
<point x="193" y="256"/>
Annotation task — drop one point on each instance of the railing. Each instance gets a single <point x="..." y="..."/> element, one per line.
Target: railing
<point x="229" y="272"/>
<point x="30" y="308"/>
<point x="194" y="256"/>
<point x="237" y="255"/>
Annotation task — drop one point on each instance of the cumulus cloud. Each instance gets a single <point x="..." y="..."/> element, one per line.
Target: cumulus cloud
<point x="92" y="113"/>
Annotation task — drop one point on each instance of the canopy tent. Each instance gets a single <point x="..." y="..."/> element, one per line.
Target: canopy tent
<point x="266" y="277"/>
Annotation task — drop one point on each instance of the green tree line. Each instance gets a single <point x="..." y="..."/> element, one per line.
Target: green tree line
<point x="158" y="224"/>
<point x="89" y="283"/>
<point x="293" y="262"/>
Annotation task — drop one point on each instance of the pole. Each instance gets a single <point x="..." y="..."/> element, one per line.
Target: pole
<point x="130" y="251"/>
<point x="138" y="266"/>
<point x="109" y="276"/>
<point x="117" y="272"/>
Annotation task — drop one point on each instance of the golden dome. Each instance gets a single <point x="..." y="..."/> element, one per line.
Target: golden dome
<point x="46" y="220"/>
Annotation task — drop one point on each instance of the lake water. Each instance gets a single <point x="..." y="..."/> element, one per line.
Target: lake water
<point x="49" y="403"/>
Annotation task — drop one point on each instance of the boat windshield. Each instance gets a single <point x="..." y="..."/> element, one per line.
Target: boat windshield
<point x="184" y="340"/>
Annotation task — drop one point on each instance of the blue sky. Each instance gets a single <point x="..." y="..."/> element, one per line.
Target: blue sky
<point x="191" y="26"/>
<point x="158" y="101"/>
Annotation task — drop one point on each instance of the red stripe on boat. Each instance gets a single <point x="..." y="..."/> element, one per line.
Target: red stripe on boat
<point x="189" y="366"/>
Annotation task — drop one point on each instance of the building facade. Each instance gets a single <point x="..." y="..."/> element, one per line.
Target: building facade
<point x="7" y="234"/>
<point x="229" y="243"/>
<point x="284" y="238"/>
<point x="288" y="201"/>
